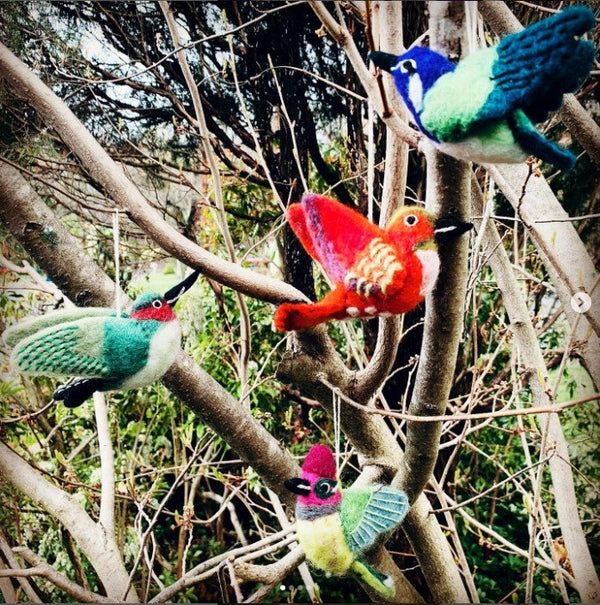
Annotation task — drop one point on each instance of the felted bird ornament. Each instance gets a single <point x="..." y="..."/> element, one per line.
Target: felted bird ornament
<point x="105" y="352"/>
<point x="375" y="271"/>
<point x="483" y="109"/>
<point x="335" y="526"/>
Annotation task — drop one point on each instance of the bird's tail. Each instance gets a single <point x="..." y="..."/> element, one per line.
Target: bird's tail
<point x="76" y="391"/>
<point x="381" y="583"/>
<point x="299" y="316"/>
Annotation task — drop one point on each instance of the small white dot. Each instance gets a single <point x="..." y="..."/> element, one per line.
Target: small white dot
<point x="352" y="311"/>
<point x="371" y="310"/>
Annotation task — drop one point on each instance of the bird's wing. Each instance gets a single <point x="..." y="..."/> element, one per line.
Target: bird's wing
<point x="332" y="233"/>
<point x="367" y="513"/>
<point x="30" y="326"/>
<point x="377" y="267"/>
<point x="529" y="70"/>
<point x="73" y="348"/>
<point x="536" y="66"/>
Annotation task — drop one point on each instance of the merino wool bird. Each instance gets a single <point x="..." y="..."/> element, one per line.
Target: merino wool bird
<point x="335" y="526"/>
<point x="105" y="352"/>
<point x="483" y="109"/>
<point x="375" y="271"/>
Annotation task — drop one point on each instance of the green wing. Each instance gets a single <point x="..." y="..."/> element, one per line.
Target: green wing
<point x="452" y="106"/>
<point x="367" y="513"/>
<point x="69" y="349"/>
<point x="30" y="326"/>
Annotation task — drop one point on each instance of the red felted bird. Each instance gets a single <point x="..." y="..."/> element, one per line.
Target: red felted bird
<point x="375" y="271"/>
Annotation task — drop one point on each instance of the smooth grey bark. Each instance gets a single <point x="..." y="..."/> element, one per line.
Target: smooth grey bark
<point x="61" y="256"/>
<point x="100" y="549"/>
<point x="448" y="195"/>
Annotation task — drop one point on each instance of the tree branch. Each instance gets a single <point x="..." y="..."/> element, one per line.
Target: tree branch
<point x="534" y="369"/>
<point x="126" y="195"/>
<point x="62" y="258"/>
<point x="100" y="550"/>
<point x="42" y="568"/>
<point x="559" y="242"/>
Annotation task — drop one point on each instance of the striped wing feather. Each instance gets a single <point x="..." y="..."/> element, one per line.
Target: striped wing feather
<point x="69" y="349"/>
<point x="30" y="326"/>
<point x="368" y="513"/>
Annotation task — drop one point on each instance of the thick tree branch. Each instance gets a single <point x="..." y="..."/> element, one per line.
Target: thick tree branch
<point x="44" y="569"/>
<point x="448" y="194"/>
<point x="558" y="241"/>
<point x="126" y="195"/>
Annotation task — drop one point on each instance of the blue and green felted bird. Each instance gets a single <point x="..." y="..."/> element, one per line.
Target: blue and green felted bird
<point x="483" y="109"/>
<point x="105" y="352"/>
<point x="335" y="526"/>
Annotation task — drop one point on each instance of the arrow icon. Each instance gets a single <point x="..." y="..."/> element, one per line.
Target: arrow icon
<point x="581" y="302"/>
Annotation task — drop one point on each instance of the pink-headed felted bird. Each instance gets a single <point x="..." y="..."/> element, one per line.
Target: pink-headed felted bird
<point x="375" y="271"/>
<point x="335" y="526"/>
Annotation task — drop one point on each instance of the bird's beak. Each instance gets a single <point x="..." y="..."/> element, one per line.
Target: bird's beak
<point x="447" y="228"/>
<point x="384" y="61"/>
<point x="173" y="295"/>
<point x="298" y="486"/>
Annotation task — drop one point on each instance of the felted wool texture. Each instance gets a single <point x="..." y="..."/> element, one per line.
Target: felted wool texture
<point x="530" y="139"/>
<point x="378" y="581"/>
<point x="27" y="327"/>
<point x="490" y="142"/>
<point x="431" y="66"/>
<point x="374" y="270"/>
<point x="320" y="462"/>
<point x="122" y="351"/>
<point x="75" y="392"/>
<point x="367" y="513"/>
<point x="324" y="543"/>
<point x="483" y="109"/>
<point x="452" y="104"/>
<point x="69" y="349"/>
<point x="161" y="354"/>
<point x="536" y="66"/>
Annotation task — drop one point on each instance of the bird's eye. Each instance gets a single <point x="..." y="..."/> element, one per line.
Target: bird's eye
<point x="408" y="67"/>
<point x="325" y="488"/>
<point x="411" y="220"/>
<point x="156" y="303"/>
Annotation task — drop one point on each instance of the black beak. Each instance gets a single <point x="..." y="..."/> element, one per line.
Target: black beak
<point x="447" y="228"/>
<point x="298" y="486"/>
<point x="384" y="61"/>
<point x="173" y="295"/>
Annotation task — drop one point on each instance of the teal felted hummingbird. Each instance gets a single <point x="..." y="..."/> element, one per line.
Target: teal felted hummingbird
<point x="105" y="352"/>
<point x="335" y="526"/>
<point x="483" y="109"/>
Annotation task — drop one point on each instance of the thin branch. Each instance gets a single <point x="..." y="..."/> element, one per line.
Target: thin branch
<point x="44" y="569"/>
<point x="105" y="171"/>
<point x="107" y="465"/>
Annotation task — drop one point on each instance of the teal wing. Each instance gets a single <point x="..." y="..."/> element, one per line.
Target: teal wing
<point x="367" y="513"/>
<point x="73" y="348"/>
<point x="536" y="66"/>
<point x="30" y="326"/>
